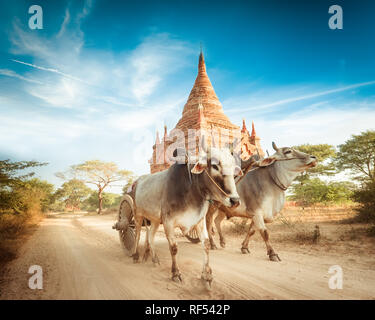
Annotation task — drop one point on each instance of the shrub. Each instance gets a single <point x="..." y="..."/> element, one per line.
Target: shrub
<point x="366" y="199"/>
<point x="110" y="200"/>
<point x="315" y="191"/>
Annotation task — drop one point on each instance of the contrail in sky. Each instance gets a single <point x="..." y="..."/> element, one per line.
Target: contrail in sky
<point x="305" y="97"/>
<point x="50" y="70"/>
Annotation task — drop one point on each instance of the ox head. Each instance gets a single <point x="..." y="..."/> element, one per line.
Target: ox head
<point x="218" y="169"/>
<point x="290" y="159"/>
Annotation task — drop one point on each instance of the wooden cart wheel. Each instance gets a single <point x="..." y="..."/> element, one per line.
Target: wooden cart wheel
<point x="192" y="235"/>
<point x="126" y="219"/>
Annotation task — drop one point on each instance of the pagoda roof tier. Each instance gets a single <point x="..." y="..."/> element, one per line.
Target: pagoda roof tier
<point x="203" y="94"/>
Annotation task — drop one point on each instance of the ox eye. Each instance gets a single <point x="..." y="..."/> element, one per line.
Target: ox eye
<point x="288" y="151"/>
<point x="215" y="167"/>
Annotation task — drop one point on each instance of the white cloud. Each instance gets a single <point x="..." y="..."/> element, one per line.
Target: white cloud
<point x="267" y="99"/>
<point x="147" y="66"/>
<point x="48" y="69"/>
<point x="329" y="125"/>
<point x="64" y="24"/>
<point x="11" y="73"/>
<point x="94" y="104"/>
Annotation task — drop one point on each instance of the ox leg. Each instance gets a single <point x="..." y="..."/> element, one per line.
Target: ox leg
<point x="138" y="227"/>
<point x="203" y="236"/>
<point x="209" y="218"/>
<point x="273" y="256"/>
<point x="260" y="225"/>
<point x="245" y="243"/>
<point x="147" y="245"/>
<point x="219" y="218"/>
<point x="169" y="232"/>
<point x="150" y="239"/>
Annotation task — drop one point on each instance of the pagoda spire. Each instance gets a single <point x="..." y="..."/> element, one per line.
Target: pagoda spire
<point x="157" y="141"/>
<point x="201" y="65"/>
<point x="165" y="133"/>
<point x="253" y="133"/>
<point x="244" y="129"/>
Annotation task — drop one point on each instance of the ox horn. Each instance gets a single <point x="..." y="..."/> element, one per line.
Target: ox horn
<point x="274" y="146"/>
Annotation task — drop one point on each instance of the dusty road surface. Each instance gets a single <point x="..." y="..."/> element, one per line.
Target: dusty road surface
<point x="81" y="258"/>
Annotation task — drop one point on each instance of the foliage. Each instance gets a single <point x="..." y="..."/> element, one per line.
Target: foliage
<point x="9" y="171"/>
<point x="129" y="183"/>
<point x="110" y="200"/>
<point x="27" y="196"/>
<point x="72" y="193"/>
<point x="315" y="191"/>
<point x="20" y="194"/>
<point x="366" y="199"/>
<point x="99" y="173"/>
<point x="21" y="201"/>
<point x="325" y="154"/>
<point x="358" y="155"/>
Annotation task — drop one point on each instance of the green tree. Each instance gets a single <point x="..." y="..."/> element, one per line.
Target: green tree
<point x="31" y="196"/>
<point x="110" y="200"/>
<point x="358" y="155"/>
<point x="128" y="184"/>
<point x="99" y="173"/>
<point x="14" y="186"/>
<point x="10" y="171"/>
<point x="309" y="189"/>
<point x="365" y="196"/>
<point x="315" y="191"/>
<point x="73" y="193"/>
<point x="325" y="155"/>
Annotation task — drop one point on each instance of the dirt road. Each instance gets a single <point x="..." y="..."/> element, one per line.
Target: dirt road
<point x="81" y="258"/>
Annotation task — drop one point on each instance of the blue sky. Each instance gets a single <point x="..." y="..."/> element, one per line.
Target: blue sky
<point x="103" y="76"/>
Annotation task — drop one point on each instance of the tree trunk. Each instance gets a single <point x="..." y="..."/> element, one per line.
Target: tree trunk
<point x="100" y="197"/>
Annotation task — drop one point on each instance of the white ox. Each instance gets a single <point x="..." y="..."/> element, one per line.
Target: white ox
<point x="180" y="197"/>
<point x="262" y="193"/>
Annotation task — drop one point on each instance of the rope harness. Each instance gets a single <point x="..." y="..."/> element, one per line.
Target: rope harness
<point x="214" y="182"/>
<point x="278" y="182"/>
<point x="276" y="179"/>
<point x="236" y="182"/>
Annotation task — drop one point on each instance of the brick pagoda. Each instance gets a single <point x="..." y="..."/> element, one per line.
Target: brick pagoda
<point x="203" y="111"/>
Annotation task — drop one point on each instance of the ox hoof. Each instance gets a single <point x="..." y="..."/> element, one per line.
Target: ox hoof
<point x="245" y="250"/>
<point x="155" y="260"/>
<point x="274" y="257"/>
<point x="208" y="285"/>
<point x="213" y="246"/>
<point x="222" y="244"/>
<point x="177" y="278"/>
<point x="135" y="257"/>
<point x="146" y="254"/>
<point x="207" y="280"/>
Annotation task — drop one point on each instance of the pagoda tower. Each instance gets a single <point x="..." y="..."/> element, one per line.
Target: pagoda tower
<point x="250" y="143"/>
<point x="203" y="112"/>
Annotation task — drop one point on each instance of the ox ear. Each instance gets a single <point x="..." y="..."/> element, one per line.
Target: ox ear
<point x="199" y="168"/>
<point x="266" y="162"/>
<point x="179" y="156"/>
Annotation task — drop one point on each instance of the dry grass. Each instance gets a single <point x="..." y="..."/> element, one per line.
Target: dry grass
<point x="13" y="231"/>
<point x="237" y="226"/>
<point x="294" y="226"/>
<point x="294" y="231"/>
